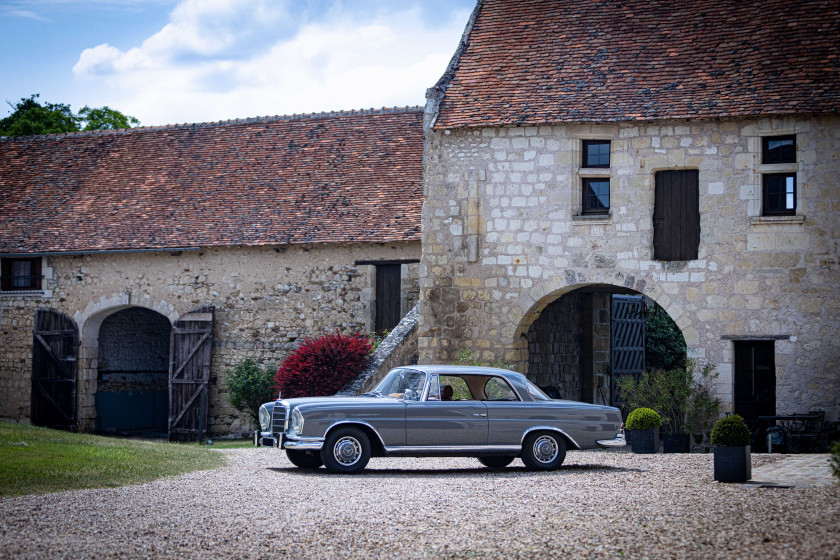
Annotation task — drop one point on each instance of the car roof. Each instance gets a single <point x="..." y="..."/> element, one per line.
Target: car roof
<point x="452" y="369"/>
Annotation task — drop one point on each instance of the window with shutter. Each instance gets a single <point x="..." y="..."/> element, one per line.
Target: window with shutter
<point x="676" y="215"/>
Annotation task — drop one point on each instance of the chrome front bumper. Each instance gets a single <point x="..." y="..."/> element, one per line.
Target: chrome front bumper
<point x="303" y="443"/>
<point x="617" y="441"/>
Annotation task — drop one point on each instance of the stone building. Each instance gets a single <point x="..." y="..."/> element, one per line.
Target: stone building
<point x="581" y="155"/>
<point x="200" y="245"/>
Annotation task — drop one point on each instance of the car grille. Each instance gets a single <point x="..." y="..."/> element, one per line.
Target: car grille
<point x="278" y="419"/>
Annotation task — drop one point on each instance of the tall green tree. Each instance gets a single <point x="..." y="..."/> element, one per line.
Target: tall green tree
<point x="30" y="117"/>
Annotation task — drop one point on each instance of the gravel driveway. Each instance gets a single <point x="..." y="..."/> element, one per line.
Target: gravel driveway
<point x="600" y="504"/>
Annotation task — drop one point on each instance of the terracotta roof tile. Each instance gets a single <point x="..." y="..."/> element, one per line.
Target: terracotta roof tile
<point x="340" y="177"/>
<point x="544" y="61"/>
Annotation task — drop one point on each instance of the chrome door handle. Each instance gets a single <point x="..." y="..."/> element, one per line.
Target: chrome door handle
<point x="477" y="414"/>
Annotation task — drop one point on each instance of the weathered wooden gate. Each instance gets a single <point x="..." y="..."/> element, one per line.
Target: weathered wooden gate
<point x="627" y="338"/>
<point x="55" y="342"/>
<point x="190" y="350"/>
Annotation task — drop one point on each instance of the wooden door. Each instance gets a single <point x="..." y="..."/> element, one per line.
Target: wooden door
<point x="387" y="297"/>
<point x="676" y="216"/>
<point x="54" y="345"/>
<point x="627" y="339"/>
<point x="190" y="351"/>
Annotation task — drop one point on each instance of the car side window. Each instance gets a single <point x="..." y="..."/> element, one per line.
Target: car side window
<point x="460" y="389"/>
<point x="434" y="389"/>
<point x="497" y="389"/>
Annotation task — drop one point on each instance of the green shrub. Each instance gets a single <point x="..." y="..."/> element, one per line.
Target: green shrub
<point x="683" y="396"/>
<point x="250" y="386"/>
<point x="731" y="431"/>
<point x="643" y="419"/>
<point x="835" y="458"/>
<point x="665" y="347"/>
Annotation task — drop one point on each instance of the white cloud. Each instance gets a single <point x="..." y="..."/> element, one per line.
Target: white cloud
<point x="223" y="59"/>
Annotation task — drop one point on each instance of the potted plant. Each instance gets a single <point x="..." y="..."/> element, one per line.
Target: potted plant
<point x="683" y="396"/>
<point x="644" y="424"/>
<point x="731" y="441"/>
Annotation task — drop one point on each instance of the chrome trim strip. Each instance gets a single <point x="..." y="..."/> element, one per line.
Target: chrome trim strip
<point x="550" y="429"/>
<point x="617" y="441"/>
<point x="454" y="449"/>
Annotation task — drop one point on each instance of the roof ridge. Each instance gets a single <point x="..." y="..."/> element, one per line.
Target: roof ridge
<point x="247" y="120"/>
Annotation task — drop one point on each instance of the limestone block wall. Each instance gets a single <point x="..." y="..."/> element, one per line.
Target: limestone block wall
<point x="266" y="301"/>
<point x="503" y="237"/>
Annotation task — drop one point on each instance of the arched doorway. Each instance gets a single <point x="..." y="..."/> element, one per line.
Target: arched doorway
<point x="582" y="341"/>
<point x="132" y="388"/>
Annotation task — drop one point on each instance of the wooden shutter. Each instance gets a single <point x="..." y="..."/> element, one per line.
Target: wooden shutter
<point x="627" y="339"/>
<point x="190" y="351"/>
<point x="387" y="296"/>
<point x="676" y="216"/>
<point x="54" y="344"/>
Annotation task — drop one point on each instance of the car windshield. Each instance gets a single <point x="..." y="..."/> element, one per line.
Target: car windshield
<point x="401" y="383"/>
<point x="537" y="393"/>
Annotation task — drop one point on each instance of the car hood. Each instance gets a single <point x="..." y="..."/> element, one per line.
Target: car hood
<point x="336" y="400"/>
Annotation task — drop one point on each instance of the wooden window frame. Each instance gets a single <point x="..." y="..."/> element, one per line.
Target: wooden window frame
<point x="587" y="145"/>
<point x="9" y="282"/>
<point x="783" y="155"/>
<point x="585" y="208"/>
<point x="766" y="210"/>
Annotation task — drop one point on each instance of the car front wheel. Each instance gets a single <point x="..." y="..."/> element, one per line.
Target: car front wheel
<point x="543" y="451"/>
<point x="304" y="460"/>
<point x="346" y="450"/>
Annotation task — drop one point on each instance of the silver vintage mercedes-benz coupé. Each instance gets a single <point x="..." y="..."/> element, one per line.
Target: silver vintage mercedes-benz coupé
<point x="493" y="414"/>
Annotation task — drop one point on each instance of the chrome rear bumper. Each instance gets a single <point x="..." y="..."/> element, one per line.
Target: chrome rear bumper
<point x="617" y="441"/>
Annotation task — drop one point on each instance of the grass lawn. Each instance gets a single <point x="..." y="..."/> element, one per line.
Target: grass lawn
<point x="37" y="460"/>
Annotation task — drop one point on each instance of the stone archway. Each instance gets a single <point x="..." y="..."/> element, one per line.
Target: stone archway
<point x="567" y="341"/>
<point x="132" y="393"/>
<point x="91" y="320"/>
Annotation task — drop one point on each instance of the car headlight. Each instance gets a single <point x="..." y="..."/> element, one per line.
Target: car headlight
<point x="297" y="421"/>
<point x="265" y="419"/>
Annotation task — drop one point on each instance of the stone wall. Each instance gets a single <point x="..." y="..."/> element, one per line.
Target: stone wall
<point x="266" y="301"/>
<point x="503" y="237"/>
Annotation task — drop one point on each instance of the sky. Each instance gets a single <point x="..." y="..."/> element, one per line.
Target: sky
<point x="191" y="61"/>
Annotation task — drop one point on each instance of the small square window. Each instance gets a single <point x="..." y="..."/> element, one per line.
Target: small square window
<point x="596" y="153"/>
<point x="20" y="275"/>
<point x="778" y="149"/>
<point x="779" y="194"/>
<point x="596" y="196"/>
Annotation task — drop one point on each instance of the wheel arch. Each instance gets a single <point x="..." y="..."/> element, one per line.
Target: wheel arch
<point x="570" y="442"/>
<point x="377" y="446"/>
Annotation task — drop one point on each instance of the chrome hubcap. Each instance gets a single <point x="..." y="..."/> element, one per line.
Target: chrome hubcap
<point x="347" y="450"/>
<point x="545" y="449"/>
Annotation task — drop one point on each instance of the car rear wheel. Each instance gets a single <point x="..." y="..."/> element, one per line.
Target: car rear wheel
<point x="496" y="462"/>
<point x="543" y="451"/>
<point x="346" y="450"/>
<point x="304" y="460"/>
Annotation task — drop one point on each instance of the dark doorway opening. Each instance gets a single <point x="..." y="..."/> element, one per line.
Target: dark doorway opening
<point x="387" y="297"/>
<point x="132" y="396"/>
<point x="755" y="382"/>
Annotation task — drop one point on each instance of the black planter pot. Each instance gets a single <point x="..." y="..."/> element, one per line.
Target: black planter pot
<point x="676" y="443"/>
<point x="732" y="464"/>
<point x="644" y="441"/>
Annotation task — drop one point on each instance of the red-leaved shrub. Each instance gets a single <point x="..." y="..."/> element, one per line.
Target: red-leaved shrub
<point x="322" y="366"/>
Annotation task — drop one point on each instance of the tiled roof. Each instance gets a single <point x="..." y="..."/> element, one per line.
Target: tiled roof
<point x="340" y="177"/>
<point x="545" y="61"/>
